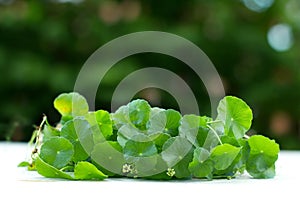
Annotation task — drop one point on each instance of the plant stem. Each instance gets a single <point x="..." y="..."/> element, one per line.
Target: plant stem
<point x="215" y="121"/>
<point x="246" y="136"/>
<point x="38" y="133"/>
<point x="215" y="134"/>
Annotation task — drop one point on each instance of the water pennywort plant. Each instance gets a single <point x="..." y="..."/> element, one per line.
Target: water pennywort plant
<point x="141" y="141"/>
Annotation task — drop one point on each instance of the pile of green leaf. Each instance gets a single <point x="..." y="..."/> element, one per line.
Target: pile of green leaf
<point x="141" y="141"/>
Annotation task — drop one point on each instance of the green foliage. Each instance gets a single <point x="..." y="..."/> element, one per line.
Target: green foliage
<point x="57" y="152"/>
<point x="49" y="132"/>
<point x="43" y="45"/>
<point x="108" y="155"/>
<point x="79" y="133"/>
<point x="87" y="171"/>
<point x="236" y="116"/>
<point x="201" y="166"/>
<point x="139" y="149"/>
<point x="71" y="105"/>
<point x="139" y="113"/>
<point x="101" y="120"/>
<point x="49" y="171"/>
<point x="223" y="156"/>
<point x="140" y="141"/>
<point x="263" y="154"/>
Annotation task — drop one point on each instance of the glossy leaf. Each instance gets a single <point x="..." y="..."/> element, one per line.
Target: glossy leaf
<point x="139" y="113"/>
<point x="142" y="155"/>
<point x="49" y="132"/>
<point x="201" y="166"/>
<point x="175" y="149"/>
<point x="102" y="120"/>
<point x="236" y="116"/>
<point x="49" y="171"/>
<point x="71" y="104"/>
<point x="166" y="121"/>
<point x="159" y="139"/>
<point x="195" y="129"/>
<point x="79" y="133"/>
<point x="109" y="156"/>
<point x="181" y="168"/>
<point x="230" y="140"/>
<point x="157" y="121"/>
<point x="224" y="155"/>
<point x="121" y="117"/>
<point x="140" y="141"/>
<point x="263" y="155"/>
<point x="87" y="171"/>
<point x="139" y="149"/>
<point x="57" y="152"/>
<point x="128" y="131"/>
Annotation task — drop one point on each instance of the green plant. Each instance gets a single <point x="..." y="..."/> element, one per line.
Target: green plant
<point x="150" y="142"/>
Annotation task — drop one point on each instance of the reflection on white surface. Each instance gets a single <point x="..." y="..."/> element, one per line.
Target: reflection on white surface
<point x="280" y="37"/>
<point x="258" y="5"/>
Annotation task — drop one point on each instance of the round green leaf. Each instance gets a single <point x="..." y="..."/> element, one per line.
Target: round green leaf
<point x="57" y="152"/>
<point x="189" y="127"/>
<point x="102" y="120"/>
<point x="71" y="104"/>
<point x="236" y="116"/>
<point x="175" y="149"/>
<point x="120" y="117"/>
<point x="224" y="155"/>
<point x="262" y="157"/>
<point x="173" y="122"/>
<point x="139" y="113"/>
<point x="201" y="166"/>
<point x="177" y="152"/>
<point x="262" y="145"/>
<point x="158" y="120"/>
<point x="109" y="156"/>
<point x="139" y="149"/>
<point x="142" y="155"/>
<point x="194" y="128"/>
<point x="78" y="132"/>
<point x="128" y="131"/>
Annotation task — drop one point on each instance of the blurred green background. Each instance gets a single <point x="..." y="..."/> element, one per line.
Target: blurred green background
<point x="254" y="45"/>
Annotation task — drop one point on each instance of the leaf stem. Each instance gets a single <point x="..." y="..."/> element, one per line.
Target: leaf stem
<point x="38" y="134"/>
<point x="246" y="136"/>
<point x="215" y="134"/>
<point x="215" y="121"/>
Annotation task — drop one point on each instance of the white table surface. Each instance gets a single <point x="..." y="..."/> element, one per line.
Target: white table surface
<point x="19" y="187"/>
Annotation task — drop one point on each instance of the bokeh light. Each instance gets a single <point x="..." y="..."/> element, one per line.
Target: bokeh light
<point x="280" y="37"/>
<point x="70" y="1"/>
<point x="258" y="5"/>
<point x="43" y="45"/>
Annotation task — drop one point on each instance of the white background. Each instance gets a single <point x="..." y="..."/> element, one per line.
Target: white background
<point x="21" y="188"/>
